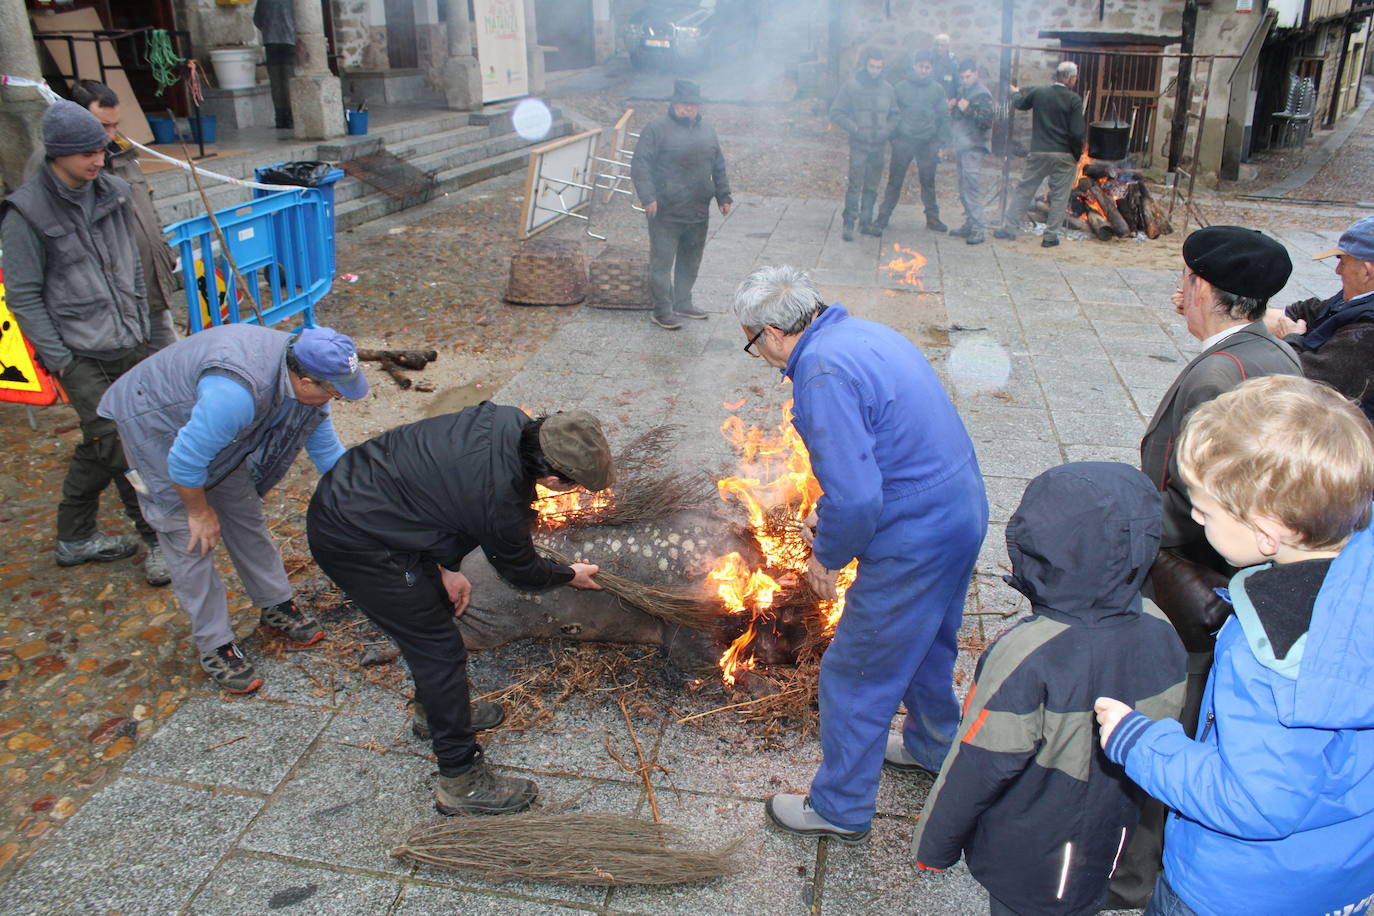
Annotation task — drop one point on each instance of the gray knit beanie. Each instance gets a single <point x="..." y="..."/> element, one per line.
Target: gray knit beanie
<point x="69" y="129"/>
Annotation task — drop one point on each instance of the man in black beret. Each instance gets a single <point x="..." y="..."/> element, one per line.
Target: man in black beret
<point x="1229" y="274"/>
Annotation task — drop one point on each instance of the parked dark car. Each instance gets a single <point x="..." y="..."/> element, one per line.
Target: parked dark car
<point x="685" y="34"/>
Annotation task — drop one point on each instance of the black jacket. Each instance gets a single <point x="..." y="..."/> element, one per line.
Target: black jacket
<point x="679" y="164"/>
<point x="923" y="112"/>
<point x="1056" y="120"/>
<point x="437" y="489"/>
<point x="1338" y="347"/>
<point x="1026" y="793"/>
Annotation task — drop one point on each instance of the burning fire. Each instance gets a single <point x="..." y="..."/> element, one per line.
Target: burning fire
<point x="556" y="509"/>
<point x="909" y="267"/>
<point x="778" y="495"/>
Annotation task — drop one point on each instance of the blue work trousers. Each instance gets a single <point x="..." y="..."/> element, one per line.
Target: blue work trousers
<point x="896" y="643"/>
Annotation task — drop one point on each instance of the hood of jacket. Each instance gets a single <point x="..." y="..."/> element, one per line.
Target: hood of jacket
<point x="1328" y="669"/>
<point x="1082" y="541"/>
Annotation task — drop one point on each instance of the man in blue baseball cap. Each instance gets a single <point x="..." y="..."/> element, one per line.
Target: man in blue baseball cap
<point x="209" y="425"/>
<point x="1334" y="338"/>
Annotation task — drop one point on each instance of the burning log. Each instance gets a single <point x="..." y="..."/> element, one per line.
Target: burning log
<point x="1104" y="202"/>
<point x="1099" y="226"/>
<point x="410" y="359"/>
<point x="1156" y="223"/>
<point x="1077" y="224"/>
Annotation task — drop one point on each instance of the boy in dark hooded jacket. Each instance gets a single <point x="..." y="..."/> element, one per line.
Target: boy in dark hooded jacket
<point x="1025" y="794"/>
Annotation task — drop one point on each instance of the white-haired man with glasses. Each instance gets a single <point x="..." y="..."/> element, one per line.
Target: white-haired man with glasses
<point x="903" y="494"/>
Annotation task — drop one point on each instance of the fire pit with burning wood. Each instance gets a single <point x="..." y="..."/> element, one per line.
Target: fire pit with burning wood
<point x="1109" y="200"/>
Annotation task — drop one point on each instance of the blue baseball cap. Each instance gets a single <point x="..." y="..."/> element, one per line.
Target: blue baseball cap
<point x="331" y="355"/>
<point x="1357" y="241"/>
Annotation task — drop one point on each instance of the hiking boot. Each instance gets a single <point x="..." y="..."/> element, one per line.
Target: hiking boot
<point x="485" y="715"/>
<point x="668" y="324"/>
<point x="880" y="224"/>
<point x="477" y="790"/>
<point x="1049" y="240"/>
<point x="848" y="233"/>
<point x="961" y="232"/>
<point x="231" y="670"/>
<point x="1005" y="233"/>
<point x="974" y="238"/>
<point x="792" y="812"/>
<point x="870" y="229"/>
<point x="934" y="225"/>
<point x="293" y="623"/>
<point x="897" y="758"/>
<point x="690" y="312"/>
<point x="155" y="566"/>
<point x="98" y="548"/>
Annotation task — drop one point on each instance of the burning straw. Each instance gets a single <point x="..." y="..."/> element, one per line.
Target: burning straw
<point x="602" y="850"/>
<point x="677" y="606"/>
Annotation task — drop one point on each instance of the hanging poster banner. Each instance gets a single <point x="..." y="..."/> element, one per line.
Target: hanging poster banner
<point x="500" y="26"/>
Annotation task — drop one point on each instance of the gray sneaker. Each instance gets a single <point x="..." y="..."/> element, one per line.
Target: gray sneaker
<point x="155" y="570"/>
<point x="478" y="790"/>
<point x="229" y="668"/>
<point x="896" y="757"/>
<point x="98" y="548"/>
<point x="792" y="812"/>
<point x="690" y="312"/>
<point x="485" y="715"/>
<point x="293" y="623"/>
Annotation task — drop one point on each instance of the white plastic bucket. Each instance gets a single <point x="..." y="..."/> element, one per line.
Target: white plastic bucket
<point x="235" y="68"/>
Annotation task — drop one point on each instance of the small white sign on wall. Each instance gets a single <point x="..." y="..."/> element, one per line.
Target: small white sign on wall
<point x="1245" y="6"/>
<point x="500" y="26"/>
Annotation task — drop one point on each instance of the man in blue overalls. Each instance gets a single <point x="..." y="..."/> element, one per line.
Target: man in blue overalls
<point x="903" y="494"/>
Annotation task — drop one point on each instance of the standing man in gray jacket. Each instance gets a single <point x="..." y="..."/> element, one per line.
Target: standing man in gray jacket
<point x="866" y="109"/>
<point x="211" y="424"/>
<point x="678" y="169"/>
<point x="1057" y="131"/>
<point x="75" y="283"/>
<point x="922" y="129"/>
<point x="972" y="113"/>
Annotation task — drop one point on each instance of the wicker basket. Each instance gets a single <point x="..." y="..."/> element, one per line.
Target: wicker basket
<point x="620" y="279"/>
<point x="548" y="272"/>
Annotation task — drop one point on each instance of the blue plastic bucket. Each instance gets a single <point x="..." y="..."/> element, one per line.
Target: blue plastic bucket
<point x="164" y="130"/>
<point x="357" y="122"/>
<point x="205" y="124"/>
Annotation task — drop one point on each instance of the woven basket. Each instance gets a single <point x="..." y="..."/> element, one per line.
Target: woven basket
<point x="620" y="279"/>
<point x="548" y="272"/>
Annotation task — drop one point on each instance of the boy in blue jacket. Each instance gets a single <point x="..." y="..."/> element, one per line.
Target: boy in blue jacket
<point x="1274" y="801"/>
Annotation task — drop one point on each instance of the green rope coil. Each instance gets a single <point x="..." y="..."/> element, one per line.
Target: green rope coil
<point x="162" y="59"/>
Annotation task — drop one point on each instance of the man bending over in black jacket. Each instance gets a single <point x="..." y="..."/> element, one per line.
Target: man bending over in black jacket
<point x="392" y="521"/>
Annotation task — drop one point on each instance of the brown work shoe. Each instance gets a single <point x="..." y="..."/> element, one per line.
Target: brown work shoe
<point x="477" y="790"/>
<point x="485" y="715"/>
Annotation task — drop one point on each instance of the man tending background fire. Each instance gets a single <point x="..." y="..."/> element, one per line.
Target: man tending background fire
<point x="903" y="494"/>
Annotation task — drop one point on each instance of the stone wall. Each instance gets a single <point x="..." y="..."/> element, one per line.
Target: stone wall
<point x="213" y="26"/>
<point x="352" y="38"/>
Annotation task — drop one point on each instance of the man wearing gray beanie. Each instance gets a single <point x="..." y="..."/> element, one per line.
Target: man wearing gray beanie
<point x="75" y="283"/>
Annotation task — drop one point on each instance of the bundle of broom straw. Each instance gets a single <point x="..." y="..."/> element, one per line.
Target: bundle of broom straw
<point x="567" y="848"/>
<point x="677" y="606"/>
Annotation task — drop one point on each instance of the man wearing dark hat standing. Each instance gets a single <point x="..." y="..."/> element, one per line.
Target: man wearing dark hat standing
<point x="209" y="425"/>
<point x="678" y="170"/>
<point x="1230" y="274"/>
<point x="1334" y="337"/>
<point x="74" y="282"/>
<point x="391" y="524"/>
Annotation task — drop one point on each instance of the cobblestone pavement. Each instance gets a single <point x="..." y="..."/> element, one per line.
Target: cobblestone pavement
<point x="173" y="799"/>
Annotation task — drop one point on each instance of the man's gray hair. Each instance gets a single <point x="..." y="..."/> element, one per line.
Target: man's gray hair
<point x="1066" y="71"/>
<point x="782" y="297"/>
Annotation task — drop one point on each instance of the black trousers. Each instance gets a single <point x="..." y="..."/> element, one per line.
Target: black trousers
<point x="675" y="251"/>
<point x="865" y="171"/>
<point x="410" y="605"/>
<point x="927" y="156"/>
<point x="98" y="459"/>
<point x="281" y="66"/>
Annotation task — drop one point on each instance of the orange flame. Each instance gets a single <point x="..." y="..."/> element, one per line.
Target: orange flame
<point x="555" y="508"/>
<point x="776" y="484"/>
<point x="909" y="267"/>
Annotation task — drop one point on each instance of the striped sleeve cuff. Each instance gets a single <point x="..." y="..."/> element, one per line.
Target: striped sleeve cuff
<point x="1126" y="734"/>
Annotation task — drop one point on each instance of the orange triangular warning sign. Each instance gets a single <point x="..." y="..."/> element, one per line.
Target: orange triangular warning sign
<point x="21" y="378"/>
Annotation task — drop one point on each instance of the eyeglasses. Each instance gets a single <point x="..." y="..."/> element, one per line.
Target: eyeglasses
<point x="749" y="347"/>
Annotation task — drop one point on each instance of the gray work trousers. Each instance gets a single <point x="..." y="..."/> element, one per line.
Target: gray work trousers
<point x="927" y="156"/>
<point x="970" y="162"/>
<point x="674" y="258"/>
<point x="1058" y="169"/>
<point x="243" y="531"/>
<point x="865" y="171"/>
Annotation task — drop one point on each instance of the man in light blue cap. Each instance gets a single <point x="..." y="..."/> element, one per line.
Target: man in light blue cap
<point x="209" y="425"/>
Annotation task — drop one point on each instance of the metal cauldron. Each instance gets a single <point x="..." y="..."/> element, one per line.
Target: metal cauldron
<point x="1109" y="141"/>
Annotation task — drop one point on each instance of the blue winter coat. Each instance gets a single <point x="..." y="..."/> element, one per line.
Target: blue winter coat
<point x="1275" y="800"/>
<point x="878" y="425"/>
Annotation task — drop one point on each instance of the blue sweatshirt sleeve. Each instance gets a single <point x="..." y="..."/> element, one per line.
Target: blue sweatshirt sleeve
<point x="833" y="426"/>
<point x="323" y="446"/>
<point x="223" y="408"/>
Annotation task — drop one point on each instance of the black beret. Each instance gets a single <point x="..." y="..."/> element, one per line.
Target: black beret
<point x="1243" y="262"/>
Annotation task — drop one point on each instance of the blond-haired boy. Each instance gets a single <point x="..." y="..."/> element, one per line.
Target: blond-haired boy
<point x="1274" y="800"/>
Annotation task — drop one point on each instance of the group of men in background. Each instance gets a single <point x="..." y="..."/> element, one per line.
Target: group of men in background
<point x="940" y="103"/>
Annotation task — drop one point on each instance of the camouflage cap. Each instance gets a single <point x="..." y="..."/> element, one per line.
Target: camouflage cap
<point x="574" y="446"/>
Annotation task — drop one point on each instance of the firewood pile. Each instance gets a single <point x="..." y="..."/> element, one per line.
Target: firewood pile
<point x="1110" y="203"/>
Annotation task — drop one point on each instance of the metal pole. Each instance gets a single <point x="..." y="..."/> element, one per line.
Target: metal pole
<point x="1183" y="98"/>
